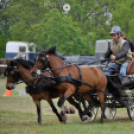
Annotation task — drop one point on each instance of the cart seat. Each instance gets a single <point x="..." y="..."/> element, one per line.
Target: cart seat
<point x="130" y="68"/>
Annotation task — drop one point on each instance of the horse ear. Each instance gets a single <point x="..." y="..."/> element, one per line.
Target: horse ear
<point x="51" y="50"/>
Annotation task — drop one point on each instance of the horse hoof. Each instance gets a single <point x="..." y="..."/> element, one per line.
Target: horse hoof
<point x="84" y="117"/>
<point x="38" y="123"/>
<point x="67" y="111"/>
<point x="72" y="110"/>
<point x="85" y="121"/>
<point x="64" y="118"/>
<point x="62" y="123"/>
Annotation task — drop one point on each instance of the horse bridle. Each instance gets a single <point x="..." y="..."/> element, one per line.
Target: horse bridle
<point x="43" y="60"/>
<point x="14" y="73"/>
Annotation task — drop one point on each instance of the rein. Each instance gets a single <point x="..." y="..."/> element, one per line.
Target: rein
<point x="79" y="81"/>
<point x="68" y="78"/>
<point x="21" y="81"/>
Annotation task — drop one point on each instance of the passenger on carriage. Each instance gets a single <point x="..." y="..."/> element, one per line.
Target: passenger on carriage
<point x="123" y="36"/>
<point x="119" y="52"/>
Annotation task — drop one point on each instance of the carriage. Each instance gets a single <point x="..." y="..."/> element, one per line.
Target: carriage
<point x="117" y="95"/>
<point x="117" y="98"/>
<point x="111" y="101"/>
<point x="120" y="99"/>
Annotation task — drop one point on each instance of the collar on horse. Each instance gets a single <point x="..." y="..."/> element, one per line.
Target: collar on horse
<point x="57" y="80"/>
<point x="34" y="89"/>
<point x="69" y="79"/>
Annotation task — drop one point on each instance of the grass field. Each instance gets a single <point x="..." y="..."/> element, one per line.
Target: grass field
<point x="18" y="116"/>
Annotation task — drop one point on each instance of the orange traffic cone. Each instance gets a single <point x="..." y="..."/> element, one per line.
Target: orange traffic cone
<point x="8" y="93"/>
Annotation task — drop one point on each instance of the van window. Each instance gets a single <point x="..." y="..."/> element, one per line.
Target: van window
<point x="22" y="49"/>
<point x="101" y="46"/>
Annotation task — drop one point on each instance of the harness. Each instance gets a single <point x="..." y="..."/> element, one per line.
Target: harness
<point x="30" y="89"/>
<point x="33" y="88"/>
<point x="69" y="79"/>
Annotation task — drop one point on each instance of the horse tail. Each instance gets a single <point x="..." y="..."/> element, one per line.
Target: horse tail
<point x="114" y="88"/>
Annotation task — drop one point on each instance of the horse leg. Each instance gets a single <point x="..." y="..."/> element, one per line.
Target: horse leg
<point x="54" y="109"/>
<point x="77" y="106"/>
<point x="63" y="98"/>
<point x="86" y="111"/>
<point x="102" y="103"/>
<point x="37" y="103"/>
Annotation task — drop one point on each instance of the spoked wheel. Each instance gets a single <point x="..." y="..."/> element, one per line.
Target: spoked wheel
<point x="91" y="115"/>
<point x="110" y="113"/>
<point x="130" y="112"/>
<point x="130" y="109"/>
<point x="94" y="112"/>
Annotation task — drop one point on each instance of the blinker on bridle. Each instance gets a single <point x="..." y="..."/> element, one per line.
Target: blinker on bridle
<point x="43" y="60"/>
<point x="13" y="73"/>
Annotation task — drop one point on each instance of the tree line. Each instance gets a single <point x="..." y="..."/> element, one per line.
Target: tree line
<point x="45" y="23"/>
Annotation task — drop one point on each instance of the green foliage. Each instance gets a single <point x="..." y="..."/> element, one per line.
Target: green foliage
<point x="3" y="40"/>
<point x="59" y="29"/>
<point x="123" y="16"/>
<point x="44" y="22"/>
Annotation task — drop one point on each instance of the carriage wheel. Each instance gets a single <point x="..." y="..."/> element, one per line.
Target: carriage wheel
<point x="130" y="109"/>
<point x="130" y="112"/>
<point x="91" y="115"/>
<point x="94" y="112"/>
<point x="110" y="113"/>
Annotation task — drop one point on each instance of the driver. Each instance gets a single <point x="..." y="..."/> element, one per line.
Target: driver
<point x="119" y="52"/>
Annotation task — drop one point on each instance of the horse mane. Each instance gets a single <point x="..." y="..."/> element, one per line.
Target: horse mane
<point x="52" y="51"/>
<point x="25" y="63"/>
<point x="31" y="63"/>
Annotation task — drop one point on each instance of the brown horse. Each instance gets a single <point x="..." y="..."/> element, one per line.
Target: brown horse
<point x="93" y="78"/>
<point x="20" y="69"/>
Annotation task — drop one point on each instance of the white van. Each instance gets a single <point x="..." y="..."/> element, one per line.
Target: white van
<point x="101" y="47"/>
<point x="16" y="49"/>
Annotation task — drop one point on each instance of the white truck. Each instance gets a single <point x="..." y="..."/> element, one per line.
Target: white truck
<point x="16" y="49"/>
<point x="101" y="47"/>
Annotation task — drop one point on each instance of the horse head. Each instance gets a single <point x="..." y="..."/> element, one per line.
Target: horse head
<point x="47" y="59"/>
<point x="16" y="70"/>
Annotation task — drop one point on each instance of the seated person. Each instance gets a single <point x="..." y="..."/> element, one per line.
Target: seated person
<point x="119" y="53"/>
<point x="123" y="36"/>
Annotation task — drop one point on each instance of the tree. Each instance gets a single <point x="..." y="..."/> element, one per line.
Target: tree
<point x="3" y="40"/>
<point x="123" y="16"/>
<point x="55" y="28"/>
<point x="45" y="23"/>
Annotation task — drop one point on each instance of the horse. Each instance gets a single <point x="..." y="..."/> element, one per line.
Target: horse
<point x="92" y="78"/>
<point x="20" y="69"/>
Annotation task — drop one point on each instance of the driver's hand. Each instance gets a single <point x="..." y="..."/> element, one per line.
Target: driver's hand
<point x="113" y="57"/>
<point x="102" y="58"/>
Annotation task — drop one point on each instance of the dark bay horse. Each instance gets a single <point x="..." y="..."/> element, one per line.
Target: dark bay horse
<point x="20" y="69"/>
<point x="90" y="75"/>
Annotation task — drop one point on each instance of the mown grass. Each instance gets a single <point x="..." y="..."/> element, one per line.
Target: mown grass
<point x="18" y="116"/>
